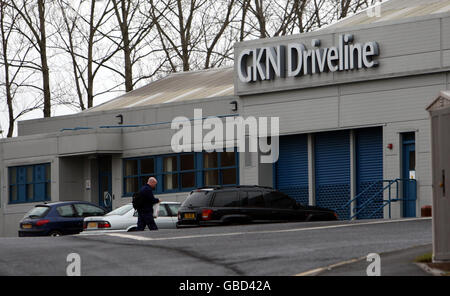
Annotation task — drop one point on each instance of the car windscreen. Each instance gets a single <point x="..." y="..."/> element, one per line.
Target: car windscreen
<point x="198" y="199"/>
<point x="174" y="208"/>
<point x="37" y="212"/>
<point x="120" y="211"/>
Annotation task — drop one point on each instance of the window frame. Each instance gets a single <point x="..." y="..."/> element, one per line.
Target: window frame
<point x="177" y="172"/>
<point x="139" y="175"/>
<point x="221" y="168"/>
<point x="198" y="171"/>
<point x="21" y="186"/>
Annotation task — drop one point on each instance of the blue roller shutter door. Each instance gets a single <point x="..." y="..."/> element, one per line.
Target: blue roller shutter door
<point x="369" y="171"/>
<point x="291" y="169"/>
<point x="332" y="169"/>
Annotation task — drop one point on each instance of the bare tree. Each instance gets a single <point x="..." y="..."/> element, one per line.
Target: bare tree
<point x="90" y="50"/>
<point x="13" y="63"/>
<point x="216" y="19"/>
<point x="33" y="14"/>
<point x="351" y="6"/>
<point x="179" y="30"/>
<point x="135" y="22"/>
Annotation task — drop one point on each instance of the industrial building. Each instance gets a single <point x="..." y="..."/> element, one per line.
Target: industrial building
<point x="351" y="100"/>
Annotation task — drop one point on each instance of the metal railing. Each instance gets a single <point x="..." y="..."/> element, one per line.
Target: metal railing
<point x="399" y="190"/>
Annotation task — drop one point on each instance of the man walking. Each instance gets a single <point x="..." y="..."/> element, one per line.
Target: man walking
<point x="145" y="213"/>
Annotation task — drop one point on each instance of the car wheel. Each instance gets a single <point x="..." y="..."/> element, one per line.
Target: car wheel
<point x="132" y="229"/>
<point x="55" y="233"/>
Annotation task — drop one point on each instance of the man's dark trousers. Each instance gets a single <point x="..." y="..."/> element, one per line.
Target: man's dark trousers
<point x="145" y="218"/>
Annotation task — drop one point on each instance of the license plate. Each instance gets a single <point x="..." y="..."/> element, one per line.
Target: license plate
<point x="26" y="226"/>
<point x="92" y="225"/>
<point x="189" y="215"/>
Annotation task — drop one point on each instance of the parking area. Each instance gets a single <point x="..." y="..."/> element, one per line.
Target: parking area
<point x="259" y="249"/>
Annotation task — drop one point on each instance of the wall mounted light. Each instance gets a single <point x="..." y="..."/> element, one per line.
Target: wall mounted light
<point x="235" y="105"/>
<point x="120" y="116"/>
<point x="390" y="146"/>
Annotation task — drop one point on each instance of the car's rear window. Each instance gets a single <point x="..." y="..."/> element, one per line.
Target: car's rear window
<point x="198" y="199"/>
<point x="226" y="199"/>
<point x="37" y="212"/>
<point x="121" y="211"/>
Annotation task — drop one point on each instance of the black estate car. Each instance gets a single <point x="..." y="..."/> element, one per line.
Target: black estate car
<point x="245" y="204"/>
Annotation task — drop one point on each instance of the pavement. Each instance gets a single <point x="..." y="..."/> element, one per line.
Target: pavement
<point x="284" y="249"/>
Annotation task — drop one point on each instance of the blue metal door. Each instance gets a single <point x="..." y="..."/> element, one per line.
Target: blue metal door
<point x="332" y="170"/>
<point x="409" y="172"/>
<point x="369" y="171"/>
<point x="291" y="169"/>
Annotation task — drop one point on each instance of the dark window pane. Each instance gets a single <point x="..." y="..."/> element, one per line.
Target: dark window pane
<point x="131" y="168"/>
<point x="85" y="210"/>
<point x="37" y="212"/>
<point x="198" y="199"/>
<point x="30" y="174"/>
<point x="228" y="176"/>
<point x="170" y="164"/>
<point x="226" y="199"/>
<point x="412" y="160"/>
<point x="255" y="199"/>
<point x="278" y="200"/>
<point x="131" y="184"/>
<point x="211" y="178"/>
<point x="13" y="192"/>
<point x="188" y="180"/>
<point x="30" y="192"/>
<point x="48" y="189"/>
<point x="147" y="166"/>
<point x="48" y="172"/>
<point x="170" y="181"/>
<point x="227" y="159"/>
<point x="187" y="162"/>
<point x="210" y="160"/>
<point x="13" y="175"/>
<point x="66" y="211"/>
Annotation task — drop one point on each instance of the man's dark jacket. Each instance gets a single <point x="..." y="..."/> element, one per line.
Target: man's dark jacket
<point x="149" y="199"/>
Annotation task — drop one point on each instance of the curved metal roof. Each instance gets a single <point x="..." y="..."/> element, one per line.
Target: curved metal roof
<point x="391" y="10"/>
<point x="176" y="87"/>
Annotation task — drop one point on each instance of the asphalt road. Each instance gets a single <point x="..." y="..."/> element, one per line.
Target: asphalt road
<point x="262" y="249"/>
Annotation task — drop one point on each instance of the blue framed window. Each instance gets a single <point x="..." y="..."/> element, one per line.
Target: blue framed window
<point x="31" y="183"/>
<point x="181" y="172"/>
<point x="220" y="168"/>
<point x="136" y="172"/>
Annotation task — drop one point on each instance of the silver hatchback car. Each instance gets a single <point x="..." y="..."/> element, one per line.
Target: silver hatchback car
<point x="125" y="219"/>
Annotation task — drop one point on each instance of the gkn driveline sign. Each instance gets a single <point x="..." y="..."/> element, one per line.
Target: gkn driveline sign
<point x="294" y="59"/>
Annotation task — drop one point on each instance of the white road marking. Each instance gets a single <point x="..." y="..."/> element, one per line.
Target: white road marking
<point x="136" y="237"/>
<point x="329" y="267"/>
<point x="123" y="235"/>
